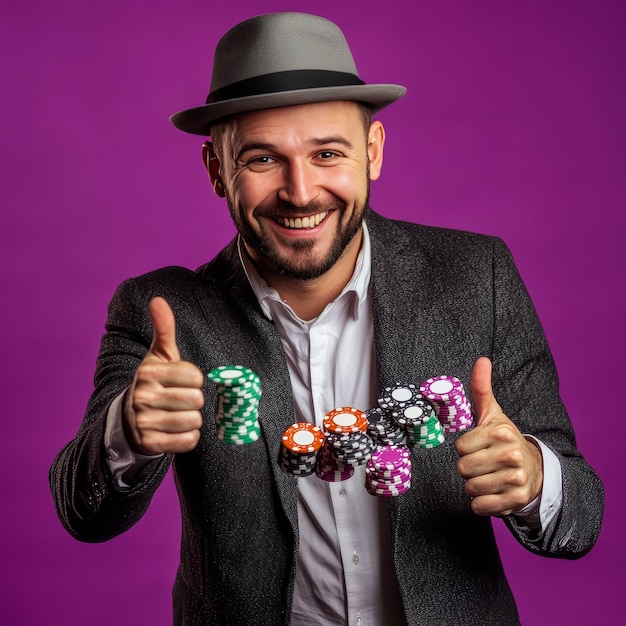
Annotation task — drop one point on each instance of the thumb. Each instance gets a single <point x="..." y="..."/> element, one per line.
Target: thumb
<point x="485" y="403"/>
<point x="163" y="330"/>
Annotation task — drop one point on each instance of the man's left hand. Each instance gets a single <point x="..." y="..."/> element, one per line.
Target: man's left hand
<point x="503" y="471"/>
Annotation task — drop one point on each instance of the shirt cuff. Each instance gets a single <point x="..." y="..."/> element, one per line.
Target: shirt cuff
<point x="122" y="461"/>
<point x="541" y="511"/>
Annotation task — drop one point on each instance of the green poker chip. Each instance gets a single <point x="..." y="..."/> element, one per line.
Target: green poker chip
<point x="238" y="398"/>
<point x="232" y="375"/>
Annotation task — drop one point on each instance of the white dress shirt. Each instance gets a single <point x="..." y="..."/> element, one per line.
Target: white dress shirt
<point x="345" y="569"/>
<point x="345" y="572"/>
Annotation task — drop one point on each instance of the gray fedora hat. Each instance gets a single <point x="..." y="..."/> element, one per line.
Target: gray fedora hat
<point x="278" y="60"/>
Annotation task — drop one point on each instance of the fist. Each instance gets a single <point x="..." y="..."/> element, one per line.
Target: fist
<point x="502" y="469"/>
<point x="162" y="406"/>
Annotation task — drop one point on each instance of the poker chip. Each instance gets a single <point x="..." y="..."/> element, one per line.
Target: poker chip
<point x="413" y="414"/>
<point x="449" y="401"/>
<point x="398" y="482"/>
<point x="238" y="398"/>
<point x="301" y="444"/>
<point x="430" y="435"/>
<point x="330" y="469"/>
<point x="303" y="437"/>
<point x="388" y="476"/>
<point x="345" y="419"/>
<point x="398" y="396"/>
<point x="388" y="472"/>
<point x="383" y="429"/>
<point x="387" y="491"/>
<point x="441" y="388"/>
<point x="232" y="376"/>
<point x="389" y="458"/>
<point x="350" y="448"/>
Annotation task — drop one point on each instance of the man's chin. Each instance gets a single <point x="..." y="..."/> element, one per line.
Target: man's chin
<point x="304" y="270"/>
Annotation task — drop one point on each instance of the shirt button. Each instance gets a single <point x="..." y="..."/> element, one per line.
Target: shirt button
<point x="342" y="492"/>
<point x="358" y="618"/>
<point x="355" y="558"/>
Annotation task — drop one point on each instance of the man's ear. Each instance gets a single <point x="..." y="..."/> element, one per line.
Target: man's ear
<point x="212" y="164"/>
<point x="375" y="146"/>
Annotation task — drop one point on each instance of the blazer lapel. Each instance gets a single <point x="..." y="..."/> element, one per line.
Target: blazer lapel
<point x="261" y="347"/>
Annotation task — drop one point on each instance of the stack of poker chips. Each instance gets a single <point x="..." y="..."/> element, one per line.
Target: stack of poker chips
<point x="383" y="430"/>
<point x="388" y="471"/>
<point x="413" y="413"/>
<point x="423" y="428"/>
<point x="351" y="448"/>
<point x="301" y="444"/>
<point x="451" y="405"/>
<point x="238" y="396"/>
<point x="347" y="444"/>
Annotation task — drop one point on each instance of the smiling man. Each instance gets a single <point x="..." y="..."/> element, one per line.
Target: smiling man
<point x="329" y="303"/>
<point x="296" y="180"/>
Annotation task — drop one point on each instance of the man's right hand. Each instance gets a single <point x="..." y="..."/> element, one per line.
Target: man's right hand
<point x="162" y="406"/>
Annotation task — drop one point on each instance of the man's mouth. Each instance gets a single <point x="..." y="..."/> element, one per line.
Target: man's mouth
<point x="299" y="223"/>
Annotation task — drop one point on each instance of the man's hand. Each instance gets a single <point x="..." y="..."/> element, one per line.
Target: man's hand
<point x="162" y="406"/>
<point x="503" y="471"/>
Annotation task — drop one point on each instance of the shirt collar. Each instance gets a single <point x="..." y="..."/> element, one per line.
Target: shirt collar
<point x="358" y="284"/>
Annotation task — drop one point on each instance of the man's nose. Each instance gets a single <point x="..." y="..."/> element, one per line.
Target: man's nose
<point x="300" y="185"/>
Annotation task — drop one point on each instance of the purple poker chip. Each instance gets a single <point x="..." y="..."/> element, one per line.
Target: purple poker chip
<point x="387" y="492"/>
<point x="441" y="388"/>
<point x="450" y="409"/>
<point x="389" y="484"/>
<point x="397" y="475"/>
<point x="390" y="457"/>
<point x="457" y="425"/>
<point x="332" y="475"/>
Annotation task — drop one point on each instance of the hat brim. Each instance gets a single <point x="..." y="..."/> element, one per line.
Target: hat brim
<point x="198" y="120"/>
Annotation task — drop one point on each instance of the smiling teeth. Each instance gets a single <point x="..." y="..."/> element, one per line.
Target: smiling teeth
<point x="304" y="222"/>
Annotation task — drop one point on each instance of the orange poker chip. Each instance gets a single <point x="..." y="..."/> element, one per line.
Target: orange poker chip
<point x="345" y="419"/>
<point x="303" y="437"/>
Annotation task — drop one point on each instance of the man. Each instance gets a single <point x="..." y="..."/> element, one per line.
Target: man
<point x="328" y="302"/>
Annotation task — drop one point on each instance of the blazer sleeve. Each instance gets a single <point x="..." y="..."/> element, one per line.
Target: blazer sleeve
<point x="88" y="501"/>
<point x="526" y="385"/>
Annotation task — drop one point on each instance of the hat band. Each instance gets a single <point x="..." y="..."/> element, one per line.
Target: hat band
<point x="283" y="81"/>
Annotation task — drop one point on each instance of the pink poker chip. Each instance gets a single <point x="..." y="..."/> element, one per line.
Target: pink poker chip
<point x="390" y="458"/>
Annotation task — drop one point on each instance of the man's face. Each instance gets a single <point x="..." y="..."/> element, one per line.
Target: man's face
<point x="297" y="180"/>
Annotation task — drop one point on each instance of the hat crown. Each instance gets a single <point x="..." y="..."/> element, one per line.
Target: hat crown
<point x="280" y="42"/>
<point x="278" y="60"/>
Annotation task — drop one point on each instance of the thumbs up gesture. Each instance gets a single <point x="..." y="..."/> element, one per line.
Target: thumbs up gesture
<point x="162" y="406"/>
<point x="503" y="471"/>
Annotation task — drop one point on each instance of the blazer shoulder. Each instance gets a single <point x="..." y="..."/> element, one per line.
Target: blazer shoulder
<point x="175" y="279"/>
<point x="388" y="228"/>
<point x="432" y="244"/>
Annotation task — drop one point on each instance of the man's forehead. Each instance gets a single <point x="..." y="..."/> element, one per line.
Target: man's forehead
<point x="307" y="120"/>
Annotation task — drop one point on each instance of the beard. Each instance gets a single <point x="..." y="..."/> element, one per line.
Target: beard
<point x="299" y="262"/>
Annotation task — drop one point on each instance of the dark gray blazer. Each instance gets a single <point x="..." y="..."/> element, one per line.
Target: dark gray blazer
<point x="441" y="298"/>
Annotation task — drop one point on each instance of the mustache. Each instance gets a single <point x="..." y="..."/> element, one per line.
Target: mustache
<point x="282" y="208"/>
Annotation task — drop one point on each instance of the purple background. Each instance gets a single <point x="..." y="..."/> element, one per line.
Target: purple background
<point x="513" y="125"/>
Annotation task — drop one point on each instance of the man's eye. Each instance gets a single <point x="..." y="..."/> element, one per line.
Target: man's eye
<point x="262" y="160"/>
<point x="327" y="154"/>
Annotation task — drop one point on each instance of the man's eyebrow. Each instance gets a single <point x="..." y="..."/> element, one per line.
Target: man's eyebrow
<point x="255" y="145"/>
<point x="271" y="147"/>
<point x="323" y="141"/>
